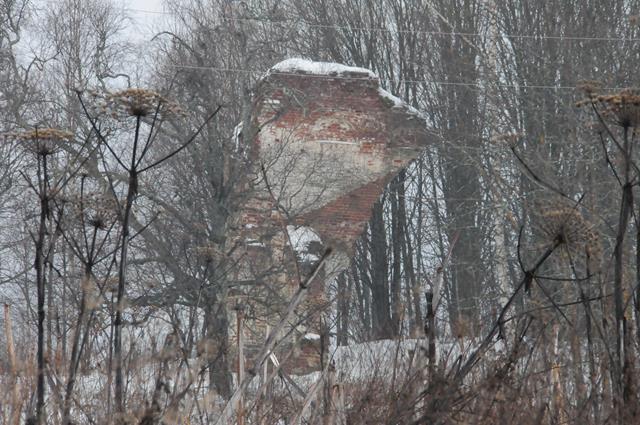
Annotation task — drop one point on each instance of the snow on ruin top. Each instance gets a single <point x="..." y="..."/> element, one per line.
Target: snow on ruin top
<point x="298" y="65"/>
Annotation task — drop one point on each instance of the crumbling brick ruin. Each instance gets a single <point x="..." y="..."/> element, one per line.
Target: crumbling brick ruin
<point x="325" y="141"/>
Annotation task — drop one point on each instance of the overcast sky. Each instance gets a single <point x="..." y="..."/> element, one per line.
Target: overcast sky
<point x="146" y="15"/>
<point x="146" y="19"/>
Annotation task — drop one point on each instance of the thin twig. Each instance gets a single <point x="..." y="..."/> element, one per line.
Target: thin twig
<point x="98" y="132"/>
<point x="184" y="145"/>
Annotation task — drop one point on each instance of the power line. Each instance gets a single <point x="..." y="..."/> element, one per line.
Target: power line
<point x="154" y="12"/>
<point x="440" y="33"/>
<point x="386" y="80"/>
<point x="338" y="77"/>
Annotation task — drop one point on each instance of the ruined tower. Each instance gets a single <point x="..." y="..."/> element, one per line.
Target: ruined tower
<point x="324" y="142"/>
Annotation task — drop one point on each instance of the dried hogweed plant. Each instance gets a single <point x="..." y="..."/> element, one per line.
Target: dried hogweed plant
<point x="41" y="141"/>
<point x="591" y="88"/>
<point x="95" y="210"/>
<point x="508" y="139"/>
<point x="134" y="102"/>
<point x="622" y="108"/>
<point x="578" y="240"/>
<point x="567" y="227"/>
<point x="93" y="216"/>
<point x="208" y="252"/>
<point x="147" y="107"/>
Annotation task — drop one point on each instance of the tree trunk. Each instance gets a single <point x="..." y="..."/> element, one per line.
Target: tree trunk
<point x="382" y="324"/>
<point x="217" y="336"/>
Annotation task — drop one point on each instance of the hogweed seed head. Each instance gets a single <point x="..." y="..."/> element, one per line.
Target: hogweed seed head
<point x="589" y="87"/>
<point x="563" y="226"/>
<point x="42" y="141"/>
<point x="566" y="226"/>
<point x="621" y="108"/>
<point x="134" y="103"/>
<point x="96" y="210"/>
<point x="510" y="139"/>
<point x="208" y="252"/>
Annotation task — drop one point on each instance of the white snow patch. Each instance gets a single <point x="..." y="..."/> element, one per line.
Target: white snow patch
<point x="379" y="358"/>
<point x="255" y="243"/>
<point x="317" y="68"/>
<point x="301" y="237"/>
<point x="237" y="132"/>
<point x="399" y="103"/>
<point x="311" y="336"/>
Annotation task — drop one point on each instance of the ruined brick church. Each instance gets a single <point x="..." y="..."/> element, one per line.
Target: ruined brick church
<point x="325" y="140"/>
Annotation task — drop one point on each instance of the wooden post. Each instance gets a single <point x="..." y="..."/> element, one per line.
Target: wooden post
<point x="265" y="366"/>
<point x="265" y="379"/>
<point x="9" y="336"/>
<point x="556" y="387"/>
<point x="240" y="335"/>
<point x="327" y="417"/>
<point x="341" y="411"/>
<point x="430" y="331"/>
<point x="16" y="403"/>
<point x="330" y="397"/>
